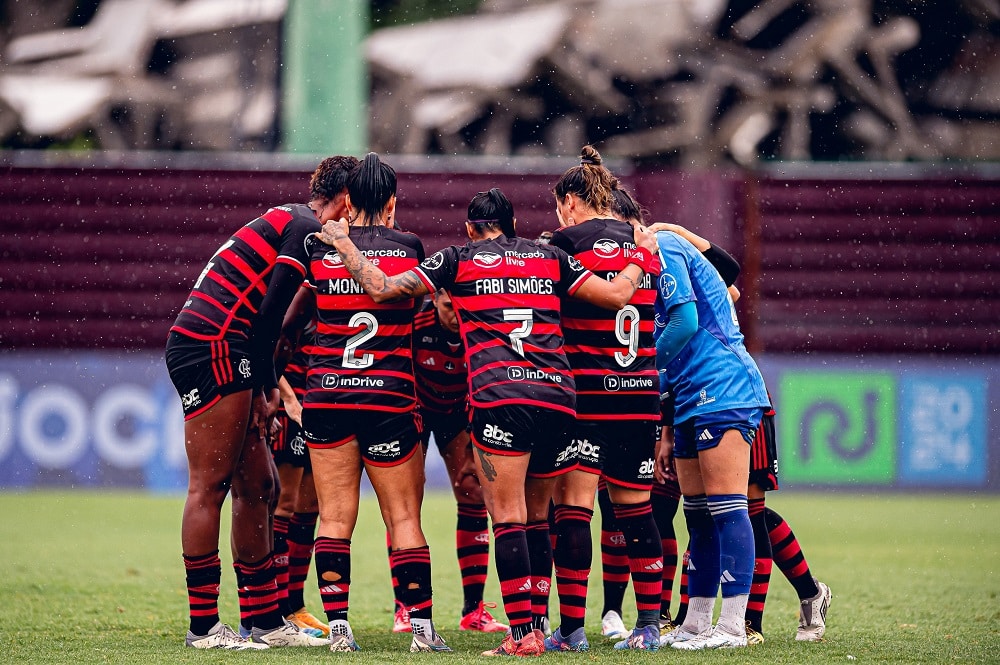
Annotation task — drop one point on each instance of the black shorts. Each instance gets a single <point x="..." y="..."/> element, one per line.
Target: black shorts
<point x="444" y="426"/>
<point x="621" y="449"/>
<point x="203" y="372"/>
<point x="384" y="438"/>
<point x="764" y="455"/>
<point x="515" y="429"/>
<point x="288" y="446"/>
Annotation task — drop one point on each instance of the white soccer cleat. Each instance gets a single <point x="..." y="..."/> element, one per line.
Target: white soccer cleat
<point x="287" y="635"/>
<point x="612" y="626"/>
<point x="677" y="634"/>
<point x="221" y="636"/>
<point x="342" y="637"/>
<point x="812" y="615"/>
<point x="713" y="638"/>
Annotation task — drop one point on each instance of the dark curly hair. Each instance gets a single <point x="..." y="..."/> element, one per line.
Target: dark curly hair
<point x="330" y="177"/>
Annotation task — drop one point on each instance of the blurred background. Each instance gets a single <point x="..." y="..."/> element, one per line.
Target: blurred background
<point x="846" y="151"/>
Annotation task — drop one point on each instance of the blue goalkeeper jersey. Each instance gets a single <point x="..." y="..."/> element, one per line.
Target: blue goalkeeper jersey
<point x="713" y="371"/>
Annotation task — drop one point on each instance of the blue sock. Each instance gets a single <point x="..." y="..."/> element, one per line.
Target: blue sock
<point x="729" y="511"/>
<point x="703" y="566"/>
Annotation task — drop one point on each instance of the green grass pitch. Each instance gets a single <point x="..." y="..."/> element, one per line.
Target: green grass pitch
<point x="96" y="577"/>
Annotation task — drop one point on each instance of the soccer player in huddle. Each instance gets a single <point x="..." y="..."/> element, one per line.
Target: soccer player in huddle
<point x="443" y="402"/>
<point x="220" y="358"/>
<point x="613" y="363"/>
<point x="508" y="294"/>
<point x="359" y="410"/>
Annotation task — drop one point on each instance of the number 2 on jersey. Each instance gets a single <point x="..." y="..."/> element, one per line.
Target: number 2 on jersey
<point x="369" y="326"/>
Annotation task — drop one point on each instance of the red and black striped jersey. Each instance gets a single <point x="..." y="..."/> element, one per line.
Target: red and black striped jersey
<point x="612" y="354"/>
<point x="226" y="298"/>
<point x="507" y="293"/>
<point x="439" y="362"/>
<point x="298" y="364"/>
<point x="362" y="355"/>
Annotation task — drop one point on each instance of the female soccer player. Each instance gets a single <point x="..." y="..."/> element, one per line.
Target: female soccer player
<point x="613" y="361"/>
<point x="507" y="292"/>
<point x="359" y="409"/>
<point x="220" y="357"/>
<point x="719" y="398"/>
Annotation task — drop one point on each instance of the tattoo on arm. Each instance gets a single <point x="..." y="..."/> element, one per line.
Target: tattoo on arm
<point x="489" y="471"/>
<point x="374" y="281"/>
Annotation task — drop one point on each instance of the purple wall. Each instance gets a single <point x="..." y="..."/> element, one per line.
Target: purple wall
<point x="842" y="260"/>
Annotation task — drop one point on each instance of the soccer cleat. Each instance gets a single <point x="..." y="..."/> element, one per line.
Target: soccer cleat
<point x="546" y="627"/>
<point x="612" y="626"/>
<point x="481" y="620"/>
<point x="646" y="638"/>
<point x="287" y="635"/>
<point x="221" y="636"/>
<point x="342" y="637"/>
<point x="575" y="641"/>
<point x="401" y="619"/>
<point x="812" y="615"/>
<point x="532" y="644"/>
<point x="713" y="638"/>
<point x="754" y="637"/>
<point x="666" y="623"/>
<point x="678" y="634"/>
<point x="433" y="644"/>
<point x="308" y="623"/>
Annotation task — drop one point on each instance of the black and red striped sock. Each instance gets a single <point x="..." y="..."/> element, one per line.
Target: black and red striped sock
<point x="333" y="572"/>
<point x="510" y="545"/>
<point x="301" y="534"/>
<point x="614" y="558"/>
<point x="412" y="568"/>
<point x="540" y="561"/>
<point x="257" y="581"/>
<point x="664" y="509"/>
<point x="573" y="557"/>
<point x="645" y="555"/>
<point x="280" y="554"/>
<point x="761" y="567"/>
<point x="392" y="573"/>
<point x="204" y="575"/>
<point x="472" y="543"/>
<point x="788" y="555"/>
<point x="682" y="608"/>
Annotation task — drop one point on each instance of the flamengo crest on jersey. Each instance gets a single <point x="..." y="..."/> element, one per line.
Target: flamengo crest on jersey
<point x="361" y="357"/>
<point x="611" y="353"/>
<point x="508" y="294"/>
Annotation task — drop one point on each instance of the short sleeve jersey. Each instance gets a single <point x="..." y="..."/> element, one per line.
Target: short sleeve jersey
<point x="361" y="357"/>
<point x="713" y="372"/>
<point x="439" y="363"/>
<point x="226" y="297"/>
<point x="611" y="353"/>
<point x="507" y="293"/>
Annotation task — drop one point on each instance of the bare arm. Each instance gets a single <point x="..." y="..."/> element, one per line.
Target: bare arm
<point x="613" y="294"/>
<point x="701" y="244"/>
<point x="379" y="286"/>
